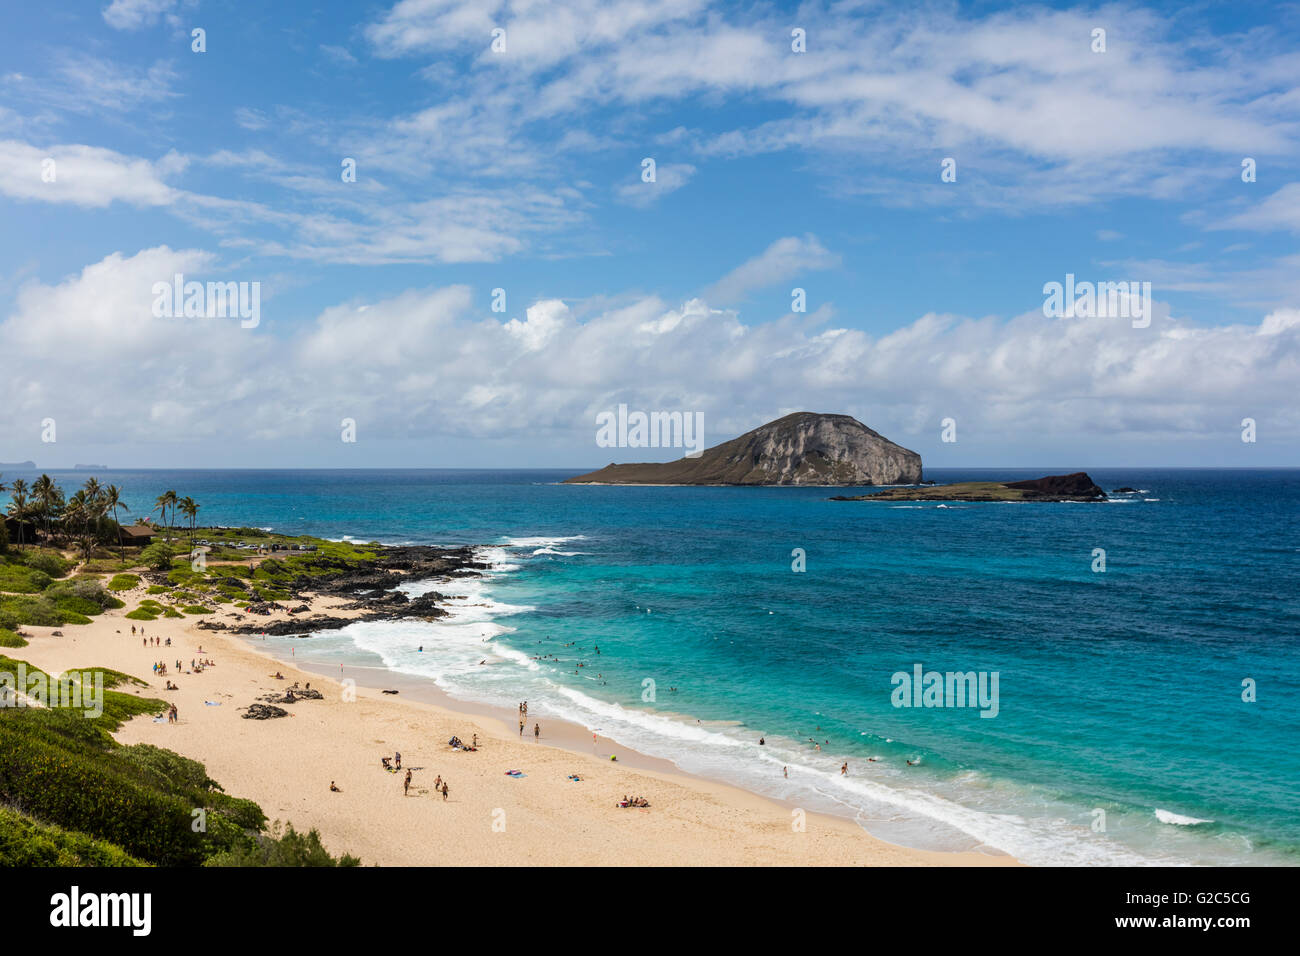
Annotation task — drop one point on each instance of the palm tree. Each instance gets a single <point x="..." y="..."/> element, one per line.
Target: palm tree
<point x="191" y="511"/>
<point x="167" y="498"/>
<point x="18" y="507"/>
<point x="49" y="501"/>
<point x="113" y="501"/>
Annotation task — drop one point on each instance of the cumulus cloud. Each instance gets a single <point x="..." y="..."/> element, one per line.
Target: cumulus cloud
<point x="429" y="362"/>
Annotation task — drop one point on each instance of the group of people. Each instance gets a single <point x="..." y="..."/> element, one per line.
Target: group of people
<point x="394" y="765"/>
<point x="173" y="715"/>
<point x="633" y="801"/>
<point x="152" y="641"/>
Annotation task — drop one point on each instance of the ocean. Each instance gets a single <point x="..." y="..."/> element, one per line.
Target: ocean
<point x="1121" y="733"/>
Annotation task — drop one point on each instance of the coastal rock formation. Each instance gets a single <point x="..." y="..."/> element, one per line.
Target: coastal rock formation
<point x="1076" y="487"/>
<point x="264" y="712"/>
<point x="805" y="448"/>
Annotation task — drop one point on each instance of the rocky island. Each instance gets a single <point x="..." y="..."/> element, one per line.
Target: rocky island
<point x="1075" y="487"/>
<point x="804" y="448"/>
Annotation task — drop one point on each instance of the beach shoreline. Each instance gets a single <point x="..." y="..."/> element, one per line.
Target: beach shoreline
<point x="541" y="818"/>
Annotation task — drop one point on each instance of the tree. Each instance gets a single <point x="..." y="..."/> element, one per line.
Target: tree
<point x="191" y="511"/>
<point x="49" y="502"/>
<point x="113" y="501"/>
<point x="18" y="507"/>
<point x="161" y="504"/>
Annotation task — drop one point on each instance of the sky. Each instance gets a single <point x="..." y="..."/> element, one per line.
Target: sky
<point x="501" y="268"/>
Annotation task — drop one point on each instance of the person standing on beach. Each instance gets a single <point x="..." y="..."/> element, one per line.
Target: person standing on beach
<point x="537" y="731"/>
<point x="406" y="784"/>
<point x="521" y="728"/>
<point x="444" y="791"/>
<point x="397" y="759"/>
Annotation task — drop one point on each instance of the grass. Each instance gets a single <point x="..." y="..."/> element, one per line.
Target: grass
<point x="25" y="841"/>
<point x="20" y="579"/>
<point x="10" y="639"/>
<point x="124" y="582"/>
<point x="71" y="795"/>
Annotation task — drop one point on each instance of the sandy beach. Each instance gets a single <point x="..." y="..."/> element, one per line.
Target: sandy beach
<point x="488" y="818"/>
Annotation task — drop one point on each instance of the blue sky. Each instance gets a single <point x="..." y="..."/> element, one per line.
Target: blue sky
<point x="521" y="169"/>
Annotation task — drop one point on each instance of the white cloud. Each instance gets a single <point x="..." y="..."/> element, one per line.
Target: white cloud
<point x="1281" y="210"/>
<point x="134" y="14"/>
<point x="669" y="177"/>
<point x="435" y="362"/>
<point x="782" y="260"/>
<point x="85" y="175"/>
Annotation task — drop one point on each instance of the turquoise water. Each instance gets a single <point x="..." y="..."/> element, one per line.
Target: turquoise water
<point x="1118" y="691"/>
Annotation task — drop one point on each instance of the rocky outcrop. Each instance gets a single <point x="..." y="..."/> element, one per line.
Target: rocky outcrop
<point x="805" y="448"/>
<point x="264" y="712"/>
<point x="1073" y="487"/>
<point x="1076" y="487"/>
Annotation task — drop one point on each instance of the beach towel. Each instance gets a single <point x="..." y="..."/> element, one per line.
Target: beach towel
<point x="515" y="773"/>
<point x="212" y="703"/>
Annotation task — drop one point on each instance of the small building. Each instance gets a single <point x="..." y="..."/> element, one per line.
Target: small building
<point x="136" y="534"/>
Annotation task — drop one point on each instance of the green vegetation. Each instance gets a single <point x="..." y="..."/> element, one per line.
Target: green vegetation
<point x="124" y="582"/>
<point x="28" y="842"/>
<point x="51" y="562"/>
<point x="10" y="639"/>
<point x="18" y="579"/>
<point x="71" y="795"/>
<point x="141" y="614"/>
<point x="283" y="847"/>
<point x="196" y="609"/>
<point x="157" y="556"/>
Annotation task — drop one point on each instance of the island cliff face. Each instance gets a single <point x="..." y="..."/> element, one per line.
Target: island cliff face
<point x="800" y="449"/>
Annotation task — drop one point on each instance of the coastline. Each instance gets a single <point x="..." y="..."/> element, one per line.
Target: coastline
<point x="287" y="764"/>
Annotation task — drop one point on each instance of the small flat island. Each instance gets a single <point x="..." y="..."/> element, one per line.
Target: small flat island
<point x="1075" y="487"/>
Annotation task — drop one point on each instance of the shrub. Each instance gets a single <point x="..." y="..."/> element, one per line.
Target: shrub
<point x="196" y="609"/>
<point x="140" y="614"/>
<point x="283" y="847"/>
<point x="28" y="842"/>
<point x="158" y="589"/>
<point x="86" y="592"/>
<point x="157" y="556"/>
<point x="56" y="566"/>
<point x="9" y="639"/>
<point x="36" y="610"/>
<point x="124" y="582"/>
<point x="16" y="578"/>
<point x="172" y="612"/>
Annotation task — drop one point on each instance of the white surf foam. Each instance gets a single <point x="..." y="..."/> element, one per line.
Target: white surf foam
<point x="1177" y="819"/>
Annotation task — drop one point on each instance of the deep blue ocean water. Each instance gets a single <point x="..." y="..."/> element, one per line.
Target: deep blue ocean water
<point x="1120" y="692"/>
